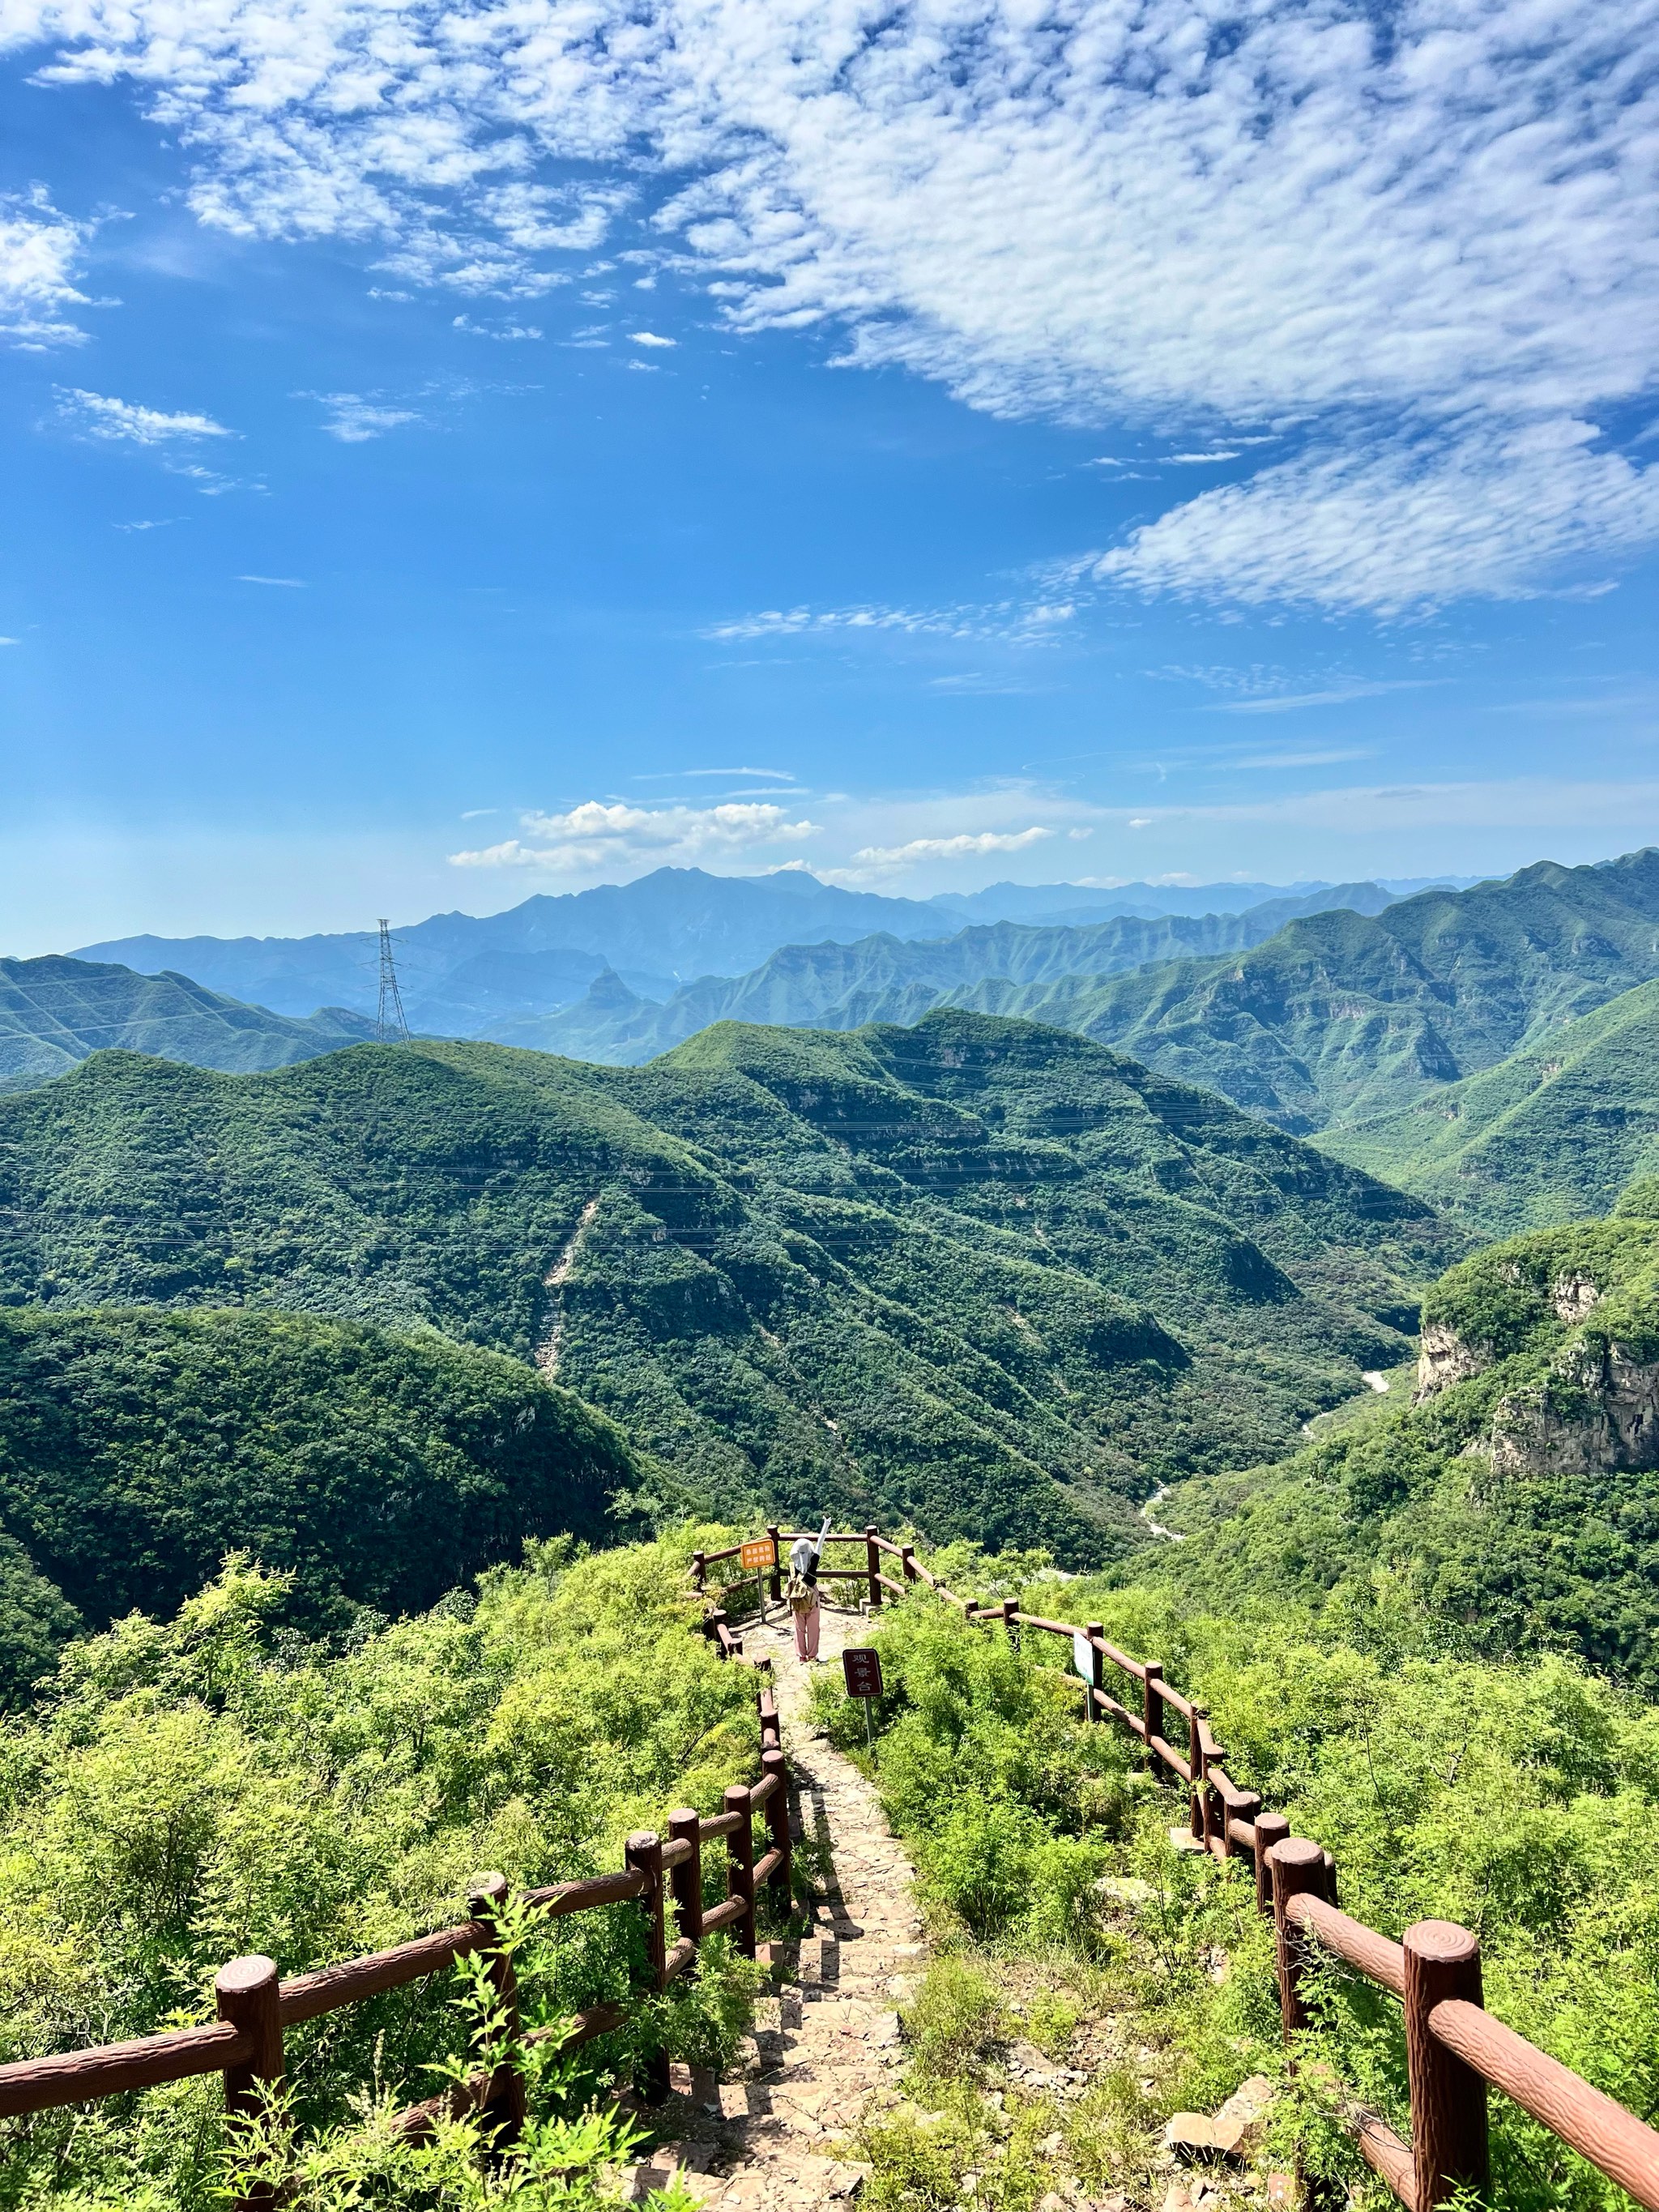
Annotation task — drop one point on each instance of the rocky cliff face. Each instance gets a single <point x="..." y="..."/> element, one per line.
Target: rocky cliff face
<point x="1444" y="1358"/>
<point x="1595" y="1411"/>
<point x="1598" y="1411"/>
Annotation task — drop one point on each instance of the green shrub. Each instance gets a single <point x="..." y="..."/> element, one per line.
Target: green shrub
<point x="955" y="2015"/>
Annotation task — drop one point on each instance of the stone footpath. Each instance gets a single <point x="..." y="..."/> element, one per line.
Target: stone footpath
<point x="827" y="2041"/>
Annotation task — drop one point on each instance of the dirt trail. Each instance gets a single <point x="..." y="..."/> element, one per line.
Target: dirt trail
<point x="828" y="2039"/>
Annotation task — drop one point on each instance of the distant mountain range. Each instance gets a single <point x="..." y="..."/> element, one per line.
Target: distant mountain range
<point x="55" y="1011"/>
<point x="886" y="978"/>
<point x="1356" y="1007"/>
<point x="469" y="976"/>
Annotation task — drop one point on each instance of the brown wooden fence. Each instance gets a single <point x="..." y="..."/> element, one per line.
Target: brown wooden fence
<point x="1454" y="2047"/>
<point x="255" y="2006"/>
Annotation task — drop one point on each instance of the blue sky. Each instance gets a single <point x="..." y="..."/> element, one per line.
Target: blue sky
<point x="455" y="453"/>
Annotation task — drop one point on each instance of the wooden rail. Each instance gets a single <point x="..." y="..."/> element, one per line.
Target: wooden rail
<point x="1454" y="2047"/>
<point x="256" y="2007"/>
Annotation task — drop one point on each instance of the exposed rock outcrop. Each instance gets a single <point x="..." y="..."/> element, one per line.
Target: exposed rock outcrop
<point x="1572" y="1295"/>
<point x="1597" y="1414"/>
<point x="1444" y="1358"/>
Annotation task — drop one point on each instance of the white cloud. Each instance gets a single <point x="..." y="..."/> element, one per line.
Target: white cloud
<point x="649" y="338"/>
<point x="1422" y="246"/>
<point x="39" y="249"/>
<point x="353" y="419"/>
<point x="607" y="835"/>
<point x="963" y="846"/>
<point x="1009" y="621"/>
<point x="504" y="333"/>
<point x="286" y="583"/>
<point x="118" y="420"/>
<point x="1291" y="701"/>
<point x="1496" y="507"/>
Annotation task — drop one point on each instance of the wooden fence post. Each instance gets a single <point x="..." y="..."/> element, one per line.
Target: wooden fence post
<point x="1448" y="2098"/>
<point x="1271" y="1828"/>
<point x="908" y="1561"/>
<point x="686" y="1879"/>
<point x="503" y="2107"/>
<point x="777" y="1822"/>
<point x="1249" y="1806"/>
<point x="1151" y="1709"/>
<point x="1298" y="1866"/>
<point x="740" y="1864"/>
<point x="775" y="1580"/>
<point x="1094" y="1631"/>
<point x="1010" y="1607"/>
<point x="699" y="1570"/>
<point x="872" y="1559"/>
<point x="1195" y="1761"/>
<point x="643" y="1853"/>
<point x="247" y="1993"/>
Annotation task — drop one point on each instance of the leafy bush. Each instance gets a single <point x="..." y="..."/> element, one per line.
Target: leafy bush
<point x="191" y="1790"/>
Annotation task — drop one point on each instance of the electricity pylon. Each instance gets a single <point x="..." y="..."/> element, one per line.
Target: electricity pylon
<point x="393" y="1029"/>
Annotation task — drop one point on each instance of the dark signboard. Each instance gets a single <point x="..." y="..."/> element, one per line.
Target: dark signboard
<point x="863" y="1671"/>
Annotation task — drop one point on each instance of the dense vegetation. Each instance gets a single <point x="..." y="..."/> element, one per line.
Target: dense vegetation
<point x="1517" y="1799"/>
<point x="190" y="1791"/>
<point x="978" y="1274"/>
<point x="1548" y="1135"/>
<point x="895" y="977"/>
<point x="54" y="1011"/>
<point x="1517" y="1505"/>
<point x="1345" y="1016"/>
<point x="137" y="1448"/>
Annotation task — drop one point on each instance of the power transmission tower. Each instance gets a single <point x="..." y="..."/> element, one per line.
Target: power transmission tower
<point x="393" y="1029"/>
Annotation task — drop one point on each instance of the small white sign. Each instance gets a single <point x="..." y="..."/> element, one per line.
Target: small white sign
<point x="1083" y="1655"/>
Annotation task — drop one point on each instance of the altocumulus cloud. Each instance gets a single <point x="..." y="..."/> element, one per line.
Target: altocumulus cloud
<point x="119" y="421"/>
<point x="605" y="833"/>
<point x="1421" y="247"/>
<point x="38" y="250"/>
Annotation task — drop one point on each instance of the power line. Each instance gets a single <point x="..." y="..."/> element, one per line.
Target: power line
<point x="393" y="1028"/>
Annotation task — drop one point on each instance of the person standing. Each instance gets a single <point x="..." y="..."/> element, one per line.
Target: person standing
<point x="803" y="1593"/>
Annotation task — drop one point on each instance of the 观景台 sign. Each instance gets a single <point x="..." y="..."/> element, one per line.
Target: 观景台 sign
<point x="862" y="1669"/>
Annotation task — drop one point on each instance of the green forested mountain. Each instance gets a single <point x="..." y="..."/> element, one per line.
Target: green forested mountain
<point x="978" y="1273"/>
<point x="1515" y="1500"/>
<point x="1342" y="1017"/>
<point x="1334" y="1017"/>
<point x="1548" y="1135"/>
<point x="138" y="1447"/>
<point x="889" y="978"/>
<point x="54" y="1011"/>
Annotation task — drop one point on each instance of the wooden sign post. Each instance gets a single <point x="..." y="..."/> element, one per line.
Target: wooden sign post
<point x="861" y="1668"/>
<point x="759" y="1556"/>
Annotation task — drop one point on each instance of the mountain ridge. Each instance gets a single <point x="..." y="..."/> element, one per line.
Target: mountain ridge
<point x="660" y="932"/>
<point x="887" y="979"/>
<point x="1552" y="1134"/>
<point x="979" y="1274"/>
<point x="56" y="1011"/>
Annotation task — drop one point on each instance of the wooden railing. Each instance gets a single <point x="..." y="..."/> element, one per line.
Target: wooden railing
<point x="1454" y="2047"/>
<point x="255" y="2006"/>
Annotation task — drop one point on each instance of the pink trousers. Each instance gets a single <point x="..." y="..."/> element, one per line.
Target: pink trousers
<point x="807" y="1633"/>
